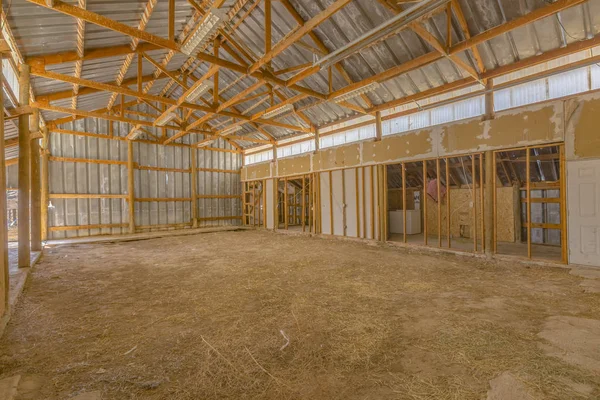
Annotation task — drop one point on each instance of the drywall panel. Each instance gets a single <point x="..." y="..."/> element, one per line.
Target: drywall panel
<point x="526" y="126"/>
<point x="337" y="197"/>
<point x="270" y="189"/>
<point x="406" y="146"/>
<point x="351" y="201"/>
<point x="337" y="157"/>
<point x="325" y="204"/>
<point x="582" y="138"/>
<point x="258" y="171"/>
<point x="294" y="165"/>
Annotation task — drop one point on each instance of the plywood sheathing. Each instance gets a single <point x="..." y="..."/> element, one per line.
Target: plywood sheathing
<point x="582" y="120"/>
<point x="461" y="214"/>
<point x="529" y="126"/>
<point x="405" y="146"/>
<point x="257" y="171"/>
<point x="294" y="165"/>
<point x="337" y="157"/>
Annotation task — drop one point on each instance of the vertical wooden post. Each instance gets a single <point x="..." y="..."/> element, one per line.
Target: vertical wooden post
<point x="264" y="203"/>
<point x="253" y="183"/>
<point x="4" y="276"/>
<point x="303" y="204"/>
<point x="357" y="202"/>
<point x="275" y="211"/>
<point x="317" y="140"/>
<point x="483" y="206"/>
<point x="364" y="203"/>
<point x="194" y="185"/>
<point x="474" y="197"/>
<point x="404" y="239"/>
<point x="385" y="203"/>
<point x="343" y="202"/>
<point x="45" y="184"/>
<point x="490" y="178"/>
<point x="373" y="202"/>
<point x="131" y="186"/>
<point x="439" y="201"/>
<point x="378" y="127"/>
<point x="331" y="202"/>
<point x="24" y="165"/>
<point x="448" y="214"/>
<point x="36" y="200"/>
<point x="171" y="20"/>
<point x="528" y="185"/>
<point x="563" y="206"/>
<point x="424" y="201"/>
<point x="285" y="204"/>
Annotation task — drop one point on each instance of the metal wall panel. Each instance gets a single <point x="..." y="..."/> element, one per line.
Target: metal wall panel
<point x="89" y="178"/>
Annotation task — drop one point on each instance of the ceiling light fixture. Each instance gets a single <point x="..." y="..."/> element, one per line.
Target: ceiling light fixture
<point x="198" y="91"/>
<point x="278" y="111"/>
<point x="165" y="118"/>
<point x="356" y="92"/>
<point x="205" y="31"/>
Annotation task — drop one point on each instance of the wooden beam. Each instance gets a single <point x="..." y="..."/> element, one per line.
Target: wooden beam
<point x="24" y="253"/>
<point x="105" y="22"/>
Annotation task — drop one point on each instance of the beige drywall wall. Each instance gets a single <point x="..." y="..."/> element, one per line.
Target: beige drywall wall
<point x="257" y="171"/>
<point x="337" y="157"/>
<point x="404" y="146"/>
<point x="292" y="166"/>
<point x="583" y="127"/>
<point x="537" y="124"/>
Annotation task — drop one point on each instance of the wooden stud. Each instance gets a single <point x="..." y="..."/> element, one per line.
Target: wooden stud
<point x="482" y="203"/>
<point x="303" y="204"/>
<point x="344" y="217"/>
<point x="331" y="202"/>
<point x="24" y="258"/>
<point x="264" y="203"/>
<point x="404" y="202"/>
<point x="474" y="197"/>
<point x="285" y="204"/>
<point x="424" y="201"/>
<point x="448" y="214"/>
<point x="378" y="127"/>
<point x="36" y="200"/>
<point x="494" y="205"/>
<point x="372" y="202"/>
<point x="564" y="244"/>
<point x="194" y="186"/>
<point x="45" y="185"/>
<point x="357" y="202"/>
<point x="131" y="186"/>
<point x="364" y="202"/>
<point x="439" y="201"/>
<point x="528" y="186"/>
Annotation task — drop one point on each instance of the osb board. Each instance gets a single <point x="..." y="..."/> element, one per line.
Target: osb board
<point x="407" y="146"/>
<point x="582" y="128"/>
<point x="395" y="199"/>
<point x="461" y="213"/>
<point x="337" y="157"/>
<point x="528" y="126"/>
<point x="294" y="165"/>
<point x="257" y="171"/>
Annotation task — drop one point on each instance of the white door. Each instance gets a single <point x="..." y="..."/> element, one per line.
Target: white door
<point x="583" y="205"/>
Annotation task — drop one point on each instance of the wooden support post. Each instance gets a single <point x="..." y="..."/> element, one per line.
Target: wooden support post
<point x="474" y="197"/>
<point x="385" y="203"/>
<point x="194" y="185"/>
<point x="373" y="202"/>
<point x="253" y="203"/>
<point x="404" y="239"/>
<point x="317" y="140"/>
<point x="490" y="178"/>
<point x="564" y="244"/>
<point x="36" y="200"/>
<point x="303" y="204"/>
<point x="343" y="202"/>
<point x="424" y="201"/>
<point x="331" y="202"/>
<point x="24" y="174"/>
<point x="264" y="203"/>
<point x="489" y="100"/>
<point x="45" y="184"/>
<point x="4" y="276"/>
<point x="448" y="214"/>
<point x="275" y="211"/>
<point x="357" y="202"/>
<point x="528" y="186"/>
<point x="439" y="201"/>
<point x="285" y="204"/>
<point x="378" y="127"/>
<point x="482" y="222"/>
<point x="131" y="186"/>
<point x="364" y="203"/>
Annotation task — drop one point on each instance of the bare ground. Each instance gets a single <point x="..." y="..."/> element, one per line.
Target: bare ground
<point x="207" y="316"/>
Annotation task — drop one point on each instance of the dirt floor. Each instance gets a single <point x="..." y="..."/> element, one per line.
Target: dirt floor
<point x="256" y="314"/>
